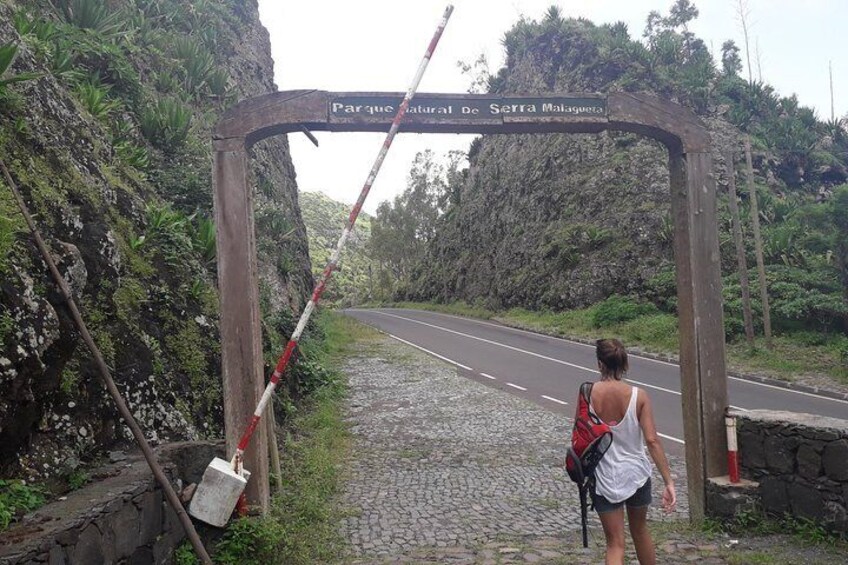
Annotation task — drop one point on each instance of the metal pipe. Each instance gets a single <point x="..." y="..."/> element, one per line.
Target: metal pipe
<point x="170" y="494"/>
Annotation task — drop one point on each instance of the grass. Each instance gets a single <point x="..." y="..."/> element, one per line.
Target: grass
<point x="457" y="308"/>
<point x="656" y="332"/>
<point x="761" y="540"/>
<point x="302" y="526"/>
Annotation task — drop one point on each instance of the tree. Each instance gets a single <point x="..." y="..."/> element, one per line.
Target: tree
<point x="743" y="13"/>
<point x="839" y="216"/>
<point x="758" y="242"/>
<point x="478" y="72"/>
<point x="402" y="229"/>
<point x="731" y="62"/>
<point x="741" y="260"/>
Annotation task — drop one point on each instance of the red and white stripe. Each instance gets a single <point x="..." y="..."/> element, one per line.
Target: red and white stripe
<point x="732" y="450"/>
<point x="334" y="258"/>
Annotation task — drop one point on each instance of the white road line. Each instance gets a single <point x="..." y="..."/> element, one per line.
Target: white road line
<point x="505" y="346"/>
<point x="780" y="388"/>
<point x="739" y="408"/>
<point x="451" y="361"/>
<point x="555" y="400"/>
<point x="488" y="376"/>
<point x="538" y="334"/>
<point x="668" y="437"/>
<point x="641" y="383"/>
<point x="653" y="386"/>
<point x="672" y="438"/>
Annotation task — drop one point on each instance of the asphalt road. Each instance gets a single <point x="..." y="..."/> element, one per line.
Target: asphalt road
<point x="548" y="370"/>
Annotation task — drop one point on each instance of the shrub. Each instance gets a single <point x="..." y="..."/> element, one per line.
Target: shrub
<point x="203" y="238"/>
<point x="62" y="61"/>
<point x="16" y="497"/>
<point x="249" y="540"/>
<point x="617" y="309"/>
<point x="217" y="82"/>
<point x="92" y="14"/>
<point x="132" y="154"/>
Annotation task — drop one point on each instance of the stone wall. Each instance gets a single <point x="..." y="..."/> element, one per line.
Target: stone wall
<point x="121" y="517"/>
<point x="800" y="462"/>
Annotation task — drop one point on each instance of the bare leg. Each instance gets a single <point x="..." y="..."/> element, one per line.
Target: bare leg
<point x="637" y="518"/>
<point x="613" y="523"/>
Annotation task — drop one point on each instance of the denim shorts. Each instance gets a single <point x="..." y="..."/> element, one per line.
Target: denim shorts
<point x="640" y="499"/>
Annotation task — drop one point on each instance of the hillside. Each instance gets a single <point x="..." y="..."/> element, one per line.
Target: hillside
<point x="324" y="219"/>
<point x="110" y="145"/>
<point x="565" y="221"/>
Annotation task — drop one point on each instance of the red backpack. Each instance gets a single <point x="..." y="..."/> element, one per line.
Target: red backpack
<point x="590" y="439"/>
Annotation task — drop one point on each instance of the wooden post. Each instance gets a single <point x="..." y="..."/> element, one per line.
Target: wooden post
<point x="758" y="242"/>
<point x="241" y="339"/>
<point x="702" y="355"/>
<point x="741" y="260"/>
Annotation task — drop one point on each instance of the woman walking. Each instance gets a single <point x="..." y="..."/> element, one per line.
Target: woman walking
<point x="623" y="476"/>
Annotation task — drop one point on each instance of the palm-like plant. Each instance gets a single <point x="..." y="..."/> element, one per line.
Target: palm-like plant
<point x="91" y="14"/>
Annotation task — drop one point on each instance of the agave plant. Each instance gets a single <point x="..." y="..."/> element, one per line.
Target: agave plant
<point x="203" y="238"/>
<point x="8" y="53"/>
<point x="217" y="82"/>
<point x="94" y="96"/>
<point x="197" y="62"/>
<point x="23" y="25"/>
<point x="166" y="123"/>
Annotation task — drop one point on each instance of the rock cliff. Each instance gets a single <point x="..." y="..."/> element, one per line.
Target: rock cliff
<point x="560" y="220"/>
<point x="120" y="184"/>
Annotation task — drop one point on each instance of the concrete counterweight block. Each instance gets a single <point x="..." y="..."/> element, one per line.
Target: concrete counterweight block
<point x="217" y="494"/>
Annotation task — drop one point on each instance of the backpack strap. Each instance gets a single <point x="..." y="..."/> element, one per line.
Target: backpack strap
<point x="586" y="391"/>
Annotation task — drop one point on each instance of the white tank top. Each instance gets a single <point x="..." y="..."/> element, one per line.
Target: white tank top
<point x="625" y="466"/>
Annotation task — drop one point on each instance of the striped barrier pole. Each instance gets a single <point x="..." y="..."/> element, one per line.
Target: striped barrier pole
<point x="334" y="258"/>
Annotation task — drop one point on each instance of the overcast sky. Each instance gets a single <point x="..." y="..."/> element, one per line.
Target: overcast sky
<point x="376" y="45"/>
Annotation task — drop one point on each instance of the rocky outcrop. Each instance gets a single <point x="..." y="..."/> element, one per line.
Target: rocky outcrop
<point x="145" y="287"/>
<point x="559" y="221"/>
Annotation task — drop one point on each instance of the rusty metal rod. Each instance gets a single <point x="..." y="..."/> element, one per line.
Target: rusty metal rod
<point x="170" y="494"/>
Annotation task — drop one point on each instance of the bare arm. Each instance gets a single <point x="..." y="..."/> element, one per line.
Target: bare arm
<point x="652" y="440"/>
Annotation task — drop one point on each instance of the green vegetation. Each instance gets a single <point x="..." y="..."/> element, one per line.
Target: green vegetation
<point x="324" y="219"/>
<point x="302" y="526"/>
<point x="8" y="52"/>
<point x="454" y="236"/>
<point x="803" y="530"/>
<point x="129" y="184"/>
<point x="402" y="229"/>
<point x="17" y="498"/>
<point x="77" y="479"/>
<point x="11" y="223"/>
<point x="165" y="123"/>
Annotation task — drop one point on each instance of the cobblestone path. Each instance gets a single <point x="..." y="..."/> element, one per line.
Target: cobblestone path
<point x="441" y="463"/>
